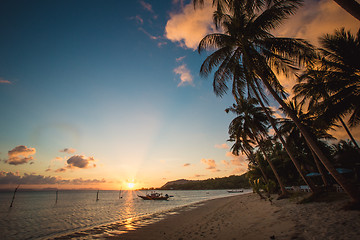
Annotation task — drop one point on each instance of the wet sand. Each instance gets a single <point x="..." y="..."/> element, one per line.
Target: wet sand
<point x="239" y="217"/>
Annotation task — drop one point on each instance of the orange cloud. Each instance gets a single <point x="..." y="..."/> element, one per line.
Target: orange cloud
<point x="4" y="81"/>
<point x="20" y="155"/>
<point x="188" y="26"/>
<point x="185" y="75"/>
<point x="311" y="21"/>
<point x="236" y="160"/>
<point x="316" y="18"/>
<point x="222" y="146"/>
<point x="240" y="170"/>
<point x="68" y="150"/>
<point x="211" y="164"/>
<point x="179" y="59"/>
<point x="340" y="133"/>
<point x="226" y="163"/>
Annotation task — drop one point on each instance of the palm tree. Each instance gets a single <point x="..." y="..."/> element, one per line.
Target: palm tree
<point x="246" y="51"/>
<point x="253" y="123"/>
<point x="315" y="125"/>
<point x="242" y="143"/>
<point x="312" y="88"/>
<point x="333" y="88"/>
<point x="341" y="53"/>
<point x="351" y="6"/>
<point x="279" y="135"/>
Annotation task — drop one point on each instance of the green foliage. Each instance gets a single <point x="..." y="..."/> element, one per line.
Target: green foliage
<point x="231" y="182"/>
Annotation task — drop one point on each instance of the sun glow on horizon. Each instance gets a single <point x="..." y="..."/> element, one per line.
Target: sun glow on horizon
<point x="131" y="185"/>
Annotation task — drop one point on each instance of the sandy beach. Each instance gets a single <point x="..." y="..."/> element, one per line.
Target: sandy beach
<point x="248" y="217"/>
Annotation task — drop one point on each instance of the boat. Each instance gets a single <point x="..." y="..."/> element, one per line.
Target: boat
<point x="235" y="191"/>
<point x="155" y="196"/>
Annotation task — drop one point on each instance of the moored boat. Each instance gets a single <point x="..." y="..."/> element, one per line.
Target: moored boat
<point x="155" y="196"/>
<point x="235" y="191"/>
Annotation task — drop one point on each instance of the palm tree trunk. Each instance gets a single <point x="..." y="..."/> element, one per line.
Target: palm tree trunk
<point x="282" y="187"/>
<point x="349" y="188"/>
<point x="319" y="167"/>
<point x="349" y="133"/>
<point x="351" y="6"/>
<point x="286" y="146"/>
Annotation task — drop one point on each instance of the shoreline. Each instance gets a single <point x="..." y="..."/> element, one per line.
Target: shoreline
<point x="118" y="228"/>
<point x="243" y="216"/>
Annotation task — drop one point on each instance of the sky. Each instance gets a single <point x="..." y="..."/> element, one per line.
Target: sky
<point x="100" y="94"/>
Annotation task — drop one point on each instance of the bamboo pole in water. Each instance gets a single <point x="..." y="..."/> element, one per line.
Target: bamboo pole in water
<point x="13" y="198"/>
<point x="57" y="191"/>
<point x="97" y="196"/>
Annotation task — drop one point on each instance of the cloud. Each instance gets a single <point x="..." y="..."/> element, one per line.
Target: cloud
<point x="236" y="160"/>
<point x="222" y="146"/>
<point x="160" y="44"/>
<point x="61" y="170"/>
<point x="138" y="19"/>
<point x="20" y="155"/>
<point x="149" y="35"/>
<point x="188" y="26"/>
<point x="316" y="18"/>
<point x="186" y="164"/>
<point x="79" y="161"/>
<point x="3" y="81"/>
<point x="179" y="59"/>
<point x="240" y="170"/>
<point x="185" y="75"/>
<point x="68" y="150"/>
<point x="33" y="179"/>
<point x="211" y="164"/>
<point x="147" y="6"/>
<point x="311" y="21"/>
<point x="340" y="133"/>
<point x="226" y="163"/>
<point x="198" y="175"/>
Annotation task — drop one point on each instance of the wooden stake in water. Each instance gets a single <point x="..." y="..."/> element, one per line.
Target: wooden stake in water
<point x="13" y="198"/>
<point x="120" y="194"/>
<point x="56" y="196"/>
<point x="97" y="196"/>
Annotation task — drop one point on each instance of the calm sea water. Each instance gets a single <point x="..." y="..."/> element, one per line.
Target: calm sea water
<point x="35" y="215"/>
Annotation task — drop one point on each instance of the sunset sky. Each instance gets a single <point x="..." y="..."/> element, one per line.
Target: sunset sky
<point x="99" y="94"/>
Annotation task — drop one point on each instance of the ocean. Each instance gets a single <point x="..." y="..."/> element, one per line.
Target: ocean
<point x="37" y="215"/>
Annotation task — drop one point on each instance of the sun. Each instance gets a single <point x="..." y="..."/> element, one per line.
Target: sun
<point x="130" y="185"/>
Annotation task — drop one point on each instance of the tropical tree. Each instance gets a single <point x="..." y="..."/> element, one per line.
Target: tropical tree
<point x="246" y="52"/>
<point x="253" y="123"/>
<point x="243" y="144"/>
<point x="316" y="126"/>
<point x="332" y="87"/>
<point x="312" y="90"/>
<point x="351" y="6"/>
